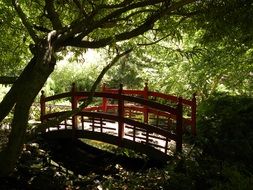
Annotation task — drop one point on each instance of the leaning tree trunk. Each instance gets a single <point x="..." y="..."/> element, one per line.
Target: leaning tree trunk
<point x="26" y="88"/>
<point x="10" y="98"/>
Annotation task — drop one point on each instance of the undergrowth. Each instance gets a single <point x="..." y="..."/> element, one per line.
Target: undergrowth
<point x="220" y="157"/>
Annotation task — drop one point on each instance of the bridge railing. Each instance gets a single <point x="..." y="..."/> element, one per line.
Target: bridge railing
<point x="188" y="105"/>
<point x="129" y="102"/>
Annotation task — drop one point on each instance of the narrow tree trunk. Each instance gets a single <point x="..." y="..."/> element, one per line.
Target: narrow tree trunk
<point x="11" y="154"/>
<point x="10" y="98"/>
<point x="27" y="87"/>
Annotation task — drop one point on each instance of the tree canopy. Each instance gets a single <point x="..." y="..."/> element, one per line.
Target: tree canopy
<point x="178" y="45"/>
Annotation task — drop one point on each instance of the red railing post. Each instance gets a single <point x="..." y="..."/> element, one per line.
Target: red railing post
<point x="74" y="105"/>
<point x="104" y="103"/>
<point x="42" y="106"/>
<point x="179" y="125"/>
<point x="145" y="96"/>
<point x="193" y="114"/>
<point x="120" y="114"/>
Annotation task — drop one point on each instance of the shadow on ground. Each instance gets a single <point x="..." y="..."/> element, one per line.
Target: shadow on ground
<point x="82" y="158"/>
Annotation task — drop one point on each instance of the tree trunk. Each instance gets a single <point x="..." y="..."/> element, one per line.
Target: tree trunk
<point x="10" y="98"/>
<point x="22" y="95"/>
<point x="11" y="154"/>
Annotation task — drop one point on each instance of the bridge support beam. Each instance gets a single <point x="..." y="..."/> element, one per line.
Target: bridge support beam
<point x="74" y="105"/>
<point x="193" y="114"/>
<point x="42" y="106"/>
<point x="104" y="102"/>
<point x="145" y="96"/>
<point x="121" y="115"/>
<point x="179" y="125"/>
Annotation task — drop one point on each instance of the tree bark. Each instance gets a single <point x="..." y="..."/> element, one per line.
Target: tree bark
<point x="22" y="95"/>
<point x="11" y="97"/>
<point x="11" y="153"/>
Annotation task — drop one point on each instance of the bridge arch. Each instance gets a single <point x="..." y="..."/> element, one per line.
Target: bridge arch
<point x="135" y="122"/>
<point x="152" y="153"/>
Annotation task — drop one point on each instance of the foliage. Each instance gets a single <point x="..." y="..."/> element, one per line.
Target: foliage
<point x="3" y="134"/>
<point x="185" y="65"/>
<point x="36" y="170"/>
<point x="225" y="126"/>
<point x="126" y="73"/>
<point x="228" y="21"/>
<point x="234" y="179"/>
<point x="14" y="43"/>
<point x="82" y="75"/>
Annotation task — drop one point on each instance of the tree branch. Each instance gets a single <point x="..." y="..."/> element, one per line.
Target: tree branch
<point x="91" y="25"/>
<point x="80" y="7"/>
<point x="101" y="75"/>
<point x="160" y="39"/>
<point x="41" y="28"/>
<point x="24" y="20"/>
<point x="53" y="15"/>
<point x="180" y="4"/>
<point x="7" y="80"/>
<point x="119" y="5"/>
<point x="147" y="25"/>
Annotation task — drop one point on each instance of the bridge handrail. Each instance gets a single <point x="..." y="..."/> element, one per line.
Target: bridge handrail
<point x="111" y="93"/>
<point x="149" y="93"/>
<point x="145" y="93"/>
<point x="132" y="99"/>
<point x="57" y="96"/>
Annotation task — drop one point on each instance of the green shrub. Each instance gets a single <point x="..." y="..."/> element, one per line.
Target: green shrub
<point x="225" y="125"/>
<point x="234" y="179"/>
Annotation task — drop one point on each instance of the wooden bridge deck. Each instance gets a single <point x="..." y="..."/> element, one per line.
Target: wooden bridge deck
<point x="110" y="127"/>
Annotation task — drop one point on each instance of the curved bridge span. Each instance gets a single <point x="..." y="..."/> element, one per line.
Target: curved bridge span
<point x="134" y="119"/>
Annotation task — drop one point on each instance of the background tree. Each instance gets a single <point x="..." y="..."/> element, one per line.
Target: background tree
<point x="207" y="50"/>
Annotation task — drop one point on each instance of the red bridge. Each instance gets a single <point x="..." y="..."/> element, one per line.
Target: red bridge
<point x="149" y="122"/>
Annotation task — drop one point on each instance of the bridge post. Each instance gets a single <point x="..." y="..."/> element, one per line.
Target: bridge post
<point x="42" y="106"/>
<point x="104" y="103"/>
<point x="73" y="105"/>
<point x="145" y="96"/>
<point x="193" y="114"/>
<point x="179" y="125"/>
<point x="120" y="115"/>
